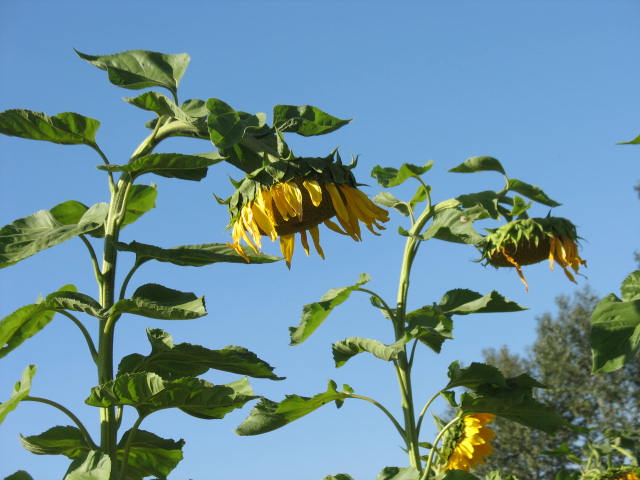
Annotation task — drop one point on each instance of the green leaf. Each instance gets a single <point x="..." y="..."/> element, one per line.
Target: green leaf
<point x="313" y="314"/>
<point x="194" y="255"/>
<point x="487" y="200"/>
<point x="19" y="475"/>
<point x="155" y="301"/>
<point x="479" y="164"/>
<point x="227" y="126"/>
<point x="25" y="322"/>
<point x="27" y="236"/>
<point x="430" y="326"/>
<point x="630" y="287"/>
<point x="268" y="415"/>
<point x="386" y="199"/>
<point x="20" y="391"/>
<point x="69" y="212"/>
<point x="161" y="105"/>
<point x="94" y="465"/>
<point x="67" y="441"/>
<point x="461" y="301"/>
<point x="305" y="120"/>
<point x="395" y="473"/>
<point x="65" y="128"/>
<point x="615" y="333"/>
<point x="456" y="225"/>
<point x="170" y="165"/>
<point x="345" y="349"/>
<point x="148" y="392"/>
<point x="150" y="454"/>
<point x="140" y="199"/>
<point x="391" y="177"/>
<point x="189" y="119"/>
<point x="519" y="206"/>
<point x="458" y="475"/>
<point x="186" y="360"/>
<point x="136" y="69"/>
<point x="531" y="191"/>
<point x="72" y="300"/>
<point x="339" y="476"/>
<point x="635" y="141"/>
<point x="474" y="375"/>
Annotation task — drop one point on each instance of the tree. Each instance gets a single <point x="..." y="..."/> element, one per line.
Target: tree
<point x="561" y="359"/>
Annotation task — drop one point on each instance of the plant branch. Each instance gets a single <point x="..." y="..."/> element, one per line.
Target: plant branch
<point x="385" y="411"/>
<point x="85" y="333"/>
<point x="94" y="257"/>
<point x="384" y="304"/>
<point x="125" y="282"/>
<point x="70" y="414"/>
<point x="425" y="408"/>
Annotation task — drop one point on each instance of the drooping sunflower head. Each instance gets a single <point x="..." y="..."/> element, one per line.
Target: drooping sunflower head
<point x="532" y="240"/>
<point x="292" y="197"/>
<point x="469" y="443"/>
<point x="620" y="473"/>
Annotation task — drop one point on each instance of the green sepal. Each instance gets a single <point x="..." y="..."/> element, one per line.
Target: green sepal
<point x="149" y="455"/>
<point x="395" y="473"/>
<point x="532" y="192"/>
<point x="268" y="415"/>
<point x="194" y="255"/>
<point x="615" y="327"/>
<point x="391" y="177"/>
<point x="136" y="69"/>
<point x="479" y="164"/>
<point x="456" y="225"/>
<point x="59" y="440"/>
<point x="95" y="465"/>
<point x="64" y="128"/>
<point x="461" y="301"/>
<point x="148" y="393"/>
<point x="30" y="235"/>
<point x="156" y="301"/>
<point x="305" y="120"/>
<point x="352" y="346"/>
<point x="170" y="165"/>
<point x="20" y="391"/>
<point x="186" y="360"/>
<point x="313" y="314"/>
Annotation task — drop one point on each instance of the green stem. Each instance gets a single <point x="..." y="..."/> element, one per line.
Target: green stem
<point x="427" y="469"/>
<point x="68" y="413"/>
<point x="106" y="162"/>
<point x="425" y="408"/>
<point x="385" y="411"/>
<point x="85" y="333"/>
<point x="384" y="304"/>
<point x="94" y="257"/>
<point x="125" y="282"/>
<point x="127" y="446"/>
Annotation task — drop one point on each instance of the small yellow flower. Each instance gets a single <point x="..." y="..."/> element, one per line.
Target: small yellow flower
<point x="627" y="476"/>
<point x="472" y="444"/>
<point x="532" y="240"/>
<point x="300" y="205"/>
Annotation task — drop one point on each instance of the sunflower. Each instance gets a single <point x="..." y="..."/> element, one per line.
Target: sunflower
<point x="532" y="240"/>
<point x="280" y="201"/>
<point x="623" y="473"/>
<point x="471" y="442"/>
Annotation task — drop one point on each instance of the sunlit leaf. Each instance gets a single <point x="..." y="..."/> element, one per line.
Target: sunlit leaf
<point x="461" y="301"/>
<point x="69" y="212"/>
<point x="150" y="454"/>
<point x="395" y="473"/>
<point x="313" y="314"/>
<point x="67" y="441"/>
<point x="268" y="415"/>
<point x="65" y="128"/>
<point x="456" y="225"/>
<point x="386" y="199"/>
<point x="25" y="322"/>
<point x="148" y="392"/>
<point x="94" y="465"/>
<point x="194" y="255"/>
<point x="531" y="191"/>
<point x="28" y="236"/>
<point x="474" y="375"/>
<point x="391" y="177"/>
<point x="305" y="120"/>
<point x="170" y="165"/>
<point x="345" y="349"/>
<point x="479" y="164"/>
<point x="630" y="287"/>
<point x="140" y="199"/>
<point x="136" y="69"/>
<point x="20" y="390"/>
<point x="186" y="360"/>
<point x="156" y="301"/>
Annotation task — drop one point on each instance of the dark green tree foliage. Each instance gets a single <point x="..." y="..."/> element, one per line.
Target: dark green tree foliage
<point x="561" y="359"/>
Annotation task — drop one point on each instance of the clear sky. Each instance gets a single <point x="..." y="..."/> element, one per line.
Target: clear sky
<point x="547" y="87"/>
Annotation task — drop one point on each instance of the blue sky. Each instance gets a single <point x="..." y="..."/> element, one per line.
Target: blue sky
<point x="547" y="87"/>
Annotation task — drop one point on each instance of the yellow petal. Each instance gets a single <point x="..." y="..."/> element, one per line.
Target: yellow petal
<point x="315" y="191"/>
<point x="304" y="241"/>
<point x="315" y="236"/>
<point x="286" y="247"/>
<point x="263" y="221"/>
<point x="251" y="225"/>
<point x="342" y="213"/>
<point x="293" y="196"/>
<point x="333" y="226"/>
<point x="280" y="200"/>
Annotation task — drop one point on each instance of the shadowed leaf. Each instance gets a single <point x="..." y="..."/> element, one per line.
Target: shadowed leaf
<point x="479" y="164"/>
<point x="462" y="301"/>
<point x="150" y="454"/>
<point x="474" y="375"/>
<point x="67" y="441"/>
<point x="531" y="191"/>
<point x="456" y="225"/>
<point x="155" y="301"/>
<point x="305" y="120"/>
<point x="170" y="165"/>
<point x="391" y="177"/>
<point x="345" y="349"/>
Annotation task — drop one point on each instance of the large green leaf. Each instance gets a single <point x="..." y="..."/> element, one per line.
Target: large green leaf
<point x="531" y="191"/>
<point x="313" y="314"/>
<point x="391" y="177"/>
<point x="155" y="301"/>
<point x="462" y="301"/>
<point x="140" y="199"/>
<point x="431" y="326"/>
<point x="148" y="392"/>
<point x="350" y="347"/>
<point x="150" y="454"/>
<point x="395" y="473"/>
<point x="20" y="391"/>
<point x="67" y="441"/>
<point x="615" y="328"/>
<point x="27" y="236"/>
<point x="479" y="164"/>
<point x="171" y="165"/>
<point x="136" y="69"/>
<point x="268" y="415"/>
<point x="456" y="225"/>
<point x="186" y="360"/>
<point x="194" y="255"/>
<point x="94" y="465"/>
<point x="65" y="128"/>
<point x="227" y="126"/>
<point x="305" y="120"/>
<point x="25" y="322"/>
<point x="474" y="375"/>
